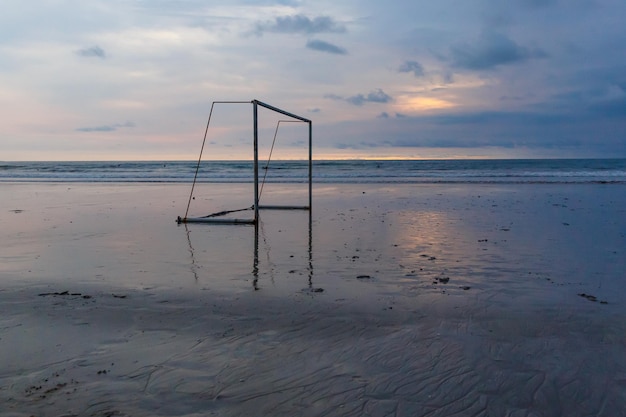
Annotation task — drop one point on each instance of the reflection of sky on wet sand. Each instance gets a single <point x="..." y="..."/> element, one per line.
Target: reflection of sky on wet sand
<point x="275" y="254"/>
<point x="424" y="233"/>
<point x="82" y="233"/>
<point x="503" y="241"/>
<point x="519" y="242"/>
<point x="230" y="318"/>
<point x="511" y="240"/>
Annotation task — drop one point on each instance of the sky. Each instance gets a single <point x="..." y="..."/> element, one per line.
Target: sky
<point x="135" y="79"/>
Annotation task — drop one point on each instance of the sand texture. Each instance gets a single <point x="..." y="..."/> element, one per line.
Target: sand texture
<point x="403" y="300"/>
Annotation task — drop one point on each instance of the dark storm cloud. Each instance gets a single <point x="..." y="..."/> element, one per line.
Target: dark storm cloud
<point x="105" y="128"/>
<point x="94" y="51"/>
<point x="499" y="118"/>
<point x="412" y="66"/>
<point x="576" y="131"/>
<point x="318" y="45"/>
<point x="300" y="24"/>
<point x="612" y="108"/>
<point x="601" y="93"/>
<point x="410" y="132"/>
<point x="491" y="50"/>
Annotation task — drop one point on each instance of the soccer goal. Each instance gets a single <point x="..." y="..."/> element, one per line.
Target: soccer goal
<point x="258" y="181"/>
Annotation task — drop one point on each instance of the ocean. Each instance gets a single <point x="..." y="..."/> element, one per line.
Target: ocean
<point x="343" y="171"/>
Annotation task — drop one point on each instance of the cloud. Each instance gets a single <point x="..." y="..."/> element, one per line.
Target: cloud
<point x="360" y="145"/>
<point x="96" y="129"/>
<point x="412" y="66"/>
<point x="92" y="52"/>
<point x="385" y="115"/>
<point x="538" y="3"/>
<point x="575" y="133"/>
<point x="447" y="77"/>
<point x="174" y="56"/>
<point x="614" y="109"/>
<point x="300" y="24"/>
<point x="292" y="3"/>
<point x="318" y="45"/>
<point x="604" y="99"/>
<point x="504" y="129"/>
<point x="500" y="118"/>
<point x="105" y="128"/>
<point x="492" y="50"/>
<point x="333" y="97"/>
<point x="375" y="96"/>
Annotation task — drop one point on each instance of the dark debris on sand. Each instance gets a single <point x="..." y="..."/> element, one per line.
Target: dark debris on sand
<point x="592" y="298"/>
<point x="75" y="294"/>
<point x="65" y="293"/>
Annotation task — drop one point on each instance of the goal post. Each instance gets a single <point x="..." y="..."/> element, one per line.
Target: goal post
<point x="215" y="218"/>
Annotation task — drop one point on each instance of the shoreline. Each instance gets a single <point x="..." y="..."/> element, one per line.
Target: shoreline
<point x="423" y="299"/>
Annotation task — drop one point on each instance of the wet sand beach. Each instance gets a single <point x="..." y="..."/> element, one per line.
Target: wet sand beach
<point x="389" y="300"/>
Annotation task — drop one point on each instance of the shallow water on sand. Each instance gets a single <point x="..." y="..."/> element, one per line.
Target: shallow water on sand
<point x="389" y="300"/>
